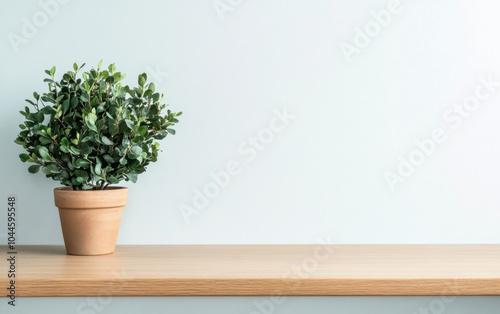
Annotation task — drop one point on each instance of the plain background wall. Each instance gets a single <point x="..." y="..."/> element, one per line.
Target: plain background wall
<point x="246" y="305"/>
<point x="323" y="175"/>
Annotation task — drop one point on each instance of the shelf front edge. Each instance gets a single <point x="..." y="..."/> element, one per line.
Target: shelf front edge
<point x="258" y="287"/>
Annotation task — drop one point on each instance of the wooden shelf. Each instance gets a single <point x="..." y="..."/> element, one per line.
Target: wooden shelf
<point x="243" y="270"/>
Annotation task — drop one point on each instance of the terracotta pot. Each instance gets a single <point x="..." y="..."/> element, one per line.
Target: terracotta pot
<point x="90" y="220"/>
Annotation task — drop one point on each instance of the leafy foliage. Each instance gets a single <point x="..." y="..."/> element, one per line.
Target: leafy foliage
<point x="91" y="131"/>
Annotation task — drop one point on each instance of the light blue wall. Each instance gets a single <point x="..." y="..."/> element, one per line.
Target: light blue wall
<point x="352" y="113"/>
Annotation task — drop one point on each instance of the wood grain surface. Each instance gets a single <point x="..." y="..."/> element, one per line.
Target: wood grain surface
<point x="244" y="270"/>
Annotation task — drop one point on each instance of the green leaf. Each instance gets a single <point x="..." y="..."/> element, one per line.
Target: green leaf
<point x="125" y="142"/>
<point x="32" y="103"/>
<point x="112" y="68"/>
<point x="75" y="66"/>
<point x="132" y="176"/>
<point x="46" y="171"/>
<point x="110" y="80"/>
<point x="137" y="100"/>
<point x="142" y="130"/>
<point x="65" y="106"/>
<point x="92" y="117"/>
<point x="81" y="174"/>
<point x="44" y="153"/>
<point x="171" y="131"/>
<point x="64" y="142"/>
<point x="34" y="168"/>
<point x="86" y="149"/>
<point x="74" y="101"/>
<point x="24" y="157"/>
<point x="86" y="139"/>
<point x="47" y="110"/>
<point x="138" y="92"/>
<point x="137" y="139"/>
<point x="39" y="117"/>
<point x="22" y="126"/>
<point x="142" y="79"/>
<point x="135" y="152"/>
<point x="44" y="141"/>
<point x="90" y="120"/>
<point x="99" y="124"/>
<point x="73" y="150"/>
<point x="87" y="187"/>
<point x="59" y="98"/>
<point x="96" y="177"/>
<point x="53" y="168"/>
<point x="108" y="159"/>
<point x="101" y="107"/>
<point x="84" y="97"/>
<point x="129" y="124"/>
<point x="160" y="135"/>
<point x="93" y="102"/>
<point x="106" y="141"/>
<point x="53" y="71"/>
<point x="118" y="76"/>
<point x="98" y="166"/>
<point x="112" y="180"/>
<point x="82" y="163"/>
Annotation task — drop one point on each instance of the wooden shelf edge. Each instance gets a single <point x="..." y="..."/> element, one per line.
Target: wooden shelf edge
<point x="259" y="287"/>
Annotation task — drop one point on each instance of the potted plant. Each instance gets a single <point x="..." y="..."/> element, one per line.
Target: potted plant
<point x="89" y="132"/>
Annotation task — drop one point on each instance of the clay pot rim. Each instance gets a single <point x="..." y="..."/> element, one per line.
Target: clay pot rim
<point x="109" y="188"/>
<point x="65" y="198"/>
